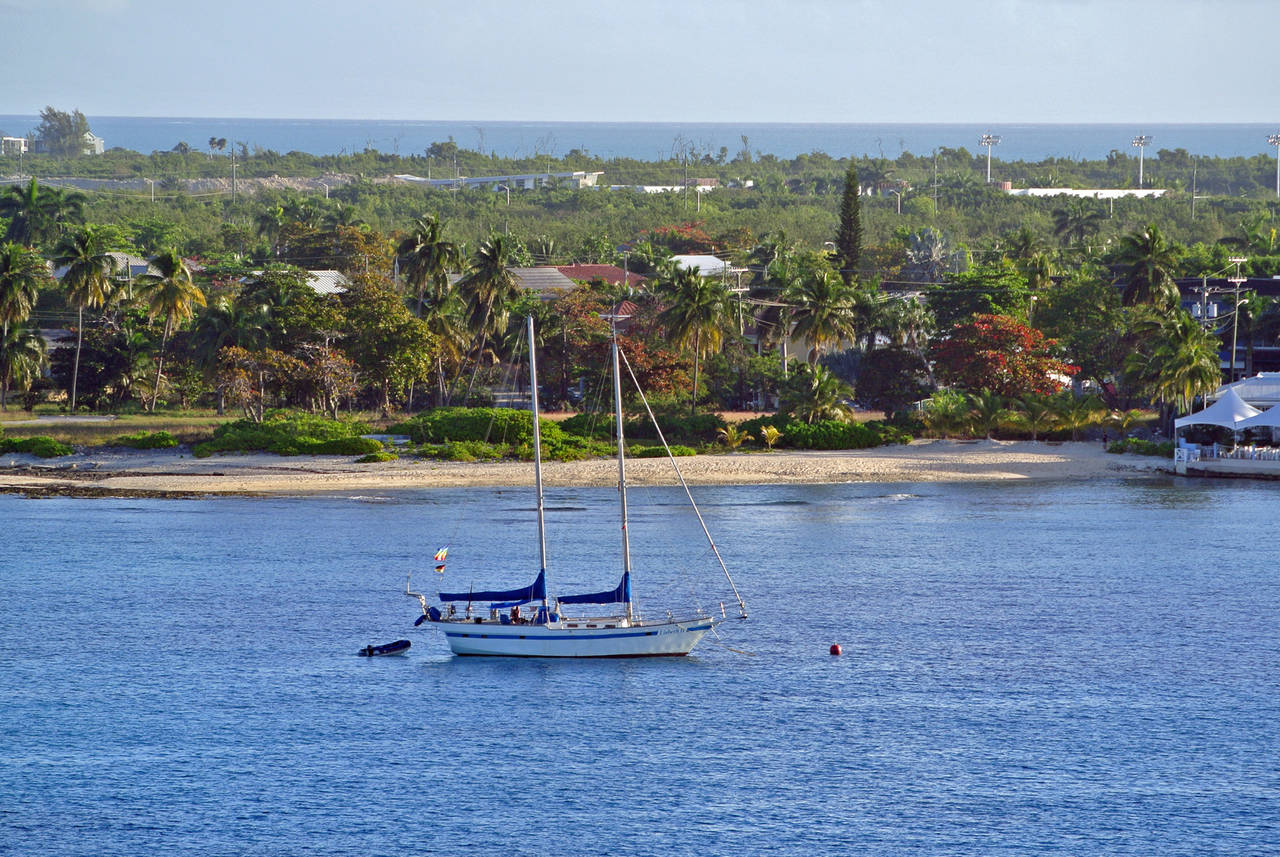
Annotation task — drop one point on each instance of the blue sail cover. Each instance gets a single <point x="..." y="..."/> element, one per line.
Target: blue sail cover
<point x="536" y="591"/>
<point x="618" y="595"/>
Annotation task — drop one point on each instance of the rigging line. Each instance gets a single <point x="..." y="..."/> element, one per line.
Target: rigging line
<point x="742" y="607"/>
<point x="716" y="642"/>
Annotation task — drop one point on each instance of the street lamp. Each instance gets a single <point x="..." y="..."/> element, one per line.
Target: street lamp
<point x="1141" y="142"/>
<point x="152" y="182"/>
<point x="507" y="189"/>
<point x="898" y="194"/>
<point x="1274" y="139"/>
<point x="1235" y="316"/>
<point x="987" y="140"/>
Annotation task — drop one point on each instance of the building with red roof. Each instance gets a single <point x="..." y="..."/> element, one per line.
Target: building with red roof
<point x="611" y="274"/>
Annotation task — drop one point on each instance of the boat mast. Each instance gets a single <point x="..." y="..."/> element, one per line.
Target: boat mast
<point x="537" y="456"/>
<point x="622" y="465"/>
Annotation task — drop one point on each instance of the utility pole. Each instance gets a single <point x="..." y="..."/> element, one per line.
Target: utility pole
<point x="1235" y="316"/>
<point x="1274" y="139"/>
<point x="935" y="181"/>
<point x="1140" y="142"/>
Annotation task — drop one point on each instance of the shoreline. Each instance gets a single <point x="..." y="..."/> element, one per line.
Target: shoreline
<point x="174" y="473"/>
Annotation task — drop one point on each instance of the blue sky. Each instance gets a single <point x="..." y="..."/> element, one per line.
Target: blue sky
<point x="650" y="60"/>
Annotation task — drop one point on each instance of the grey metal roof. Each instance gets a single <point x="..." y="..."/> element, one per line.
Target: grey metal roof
<point x="546" y="281"/>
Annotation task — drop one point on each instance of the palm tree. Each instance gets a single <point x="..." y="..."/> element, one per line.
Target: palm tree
<point x="89" y="281"/>
<point x="909" y="324"/>
<point x="22" y="355"/>
<point x="1149" y="261"/>
<point x="824" y="312"/>
<point x="21" y="272"/>
<point x="1021" y="244"/>
<point x="1075" y="223"/>
<point x="815" y="393"/>
<point x="1124" y="421"/>
<point x="1177" y="360"/>
<point x="426" y="259"/>
<point x="488" y="288"/>
<point x="1076" y="413"/>
<point x="38" y="213"/>
<point x="769" y="435"/>
<point x="444" y="321"/>
<point x="170" y="294"/>
<point x="696" y="314"/>
<point x="343" y="215"/>
<point x="228" y="323"/>
<point x="987" y="410"/>
<point x="782" y="270"/>
<point x="1038" y="269"/>
<point x="1037" y="414"/>
<point x="269" y="223"/>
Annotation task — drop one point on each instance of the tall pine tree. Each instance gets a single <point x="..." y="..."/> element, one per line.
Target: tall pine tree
<point x="849" y="239"/>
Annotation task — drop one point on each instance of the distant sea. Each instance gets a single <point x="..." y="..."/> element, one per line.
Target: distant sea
<point x="654" y="140"/>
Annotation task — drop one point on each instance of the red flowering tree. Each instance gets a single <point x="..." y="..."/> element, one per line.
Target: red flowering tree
<point x="685" y="238"/>
<point x="1001" y="354"/>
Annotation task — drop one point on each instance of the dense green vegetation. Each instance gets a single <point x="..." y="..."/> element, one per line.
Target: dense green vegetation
<point x="39" y="446"/>
<point x="290" y="434"/>
<point x="943" y="287"/>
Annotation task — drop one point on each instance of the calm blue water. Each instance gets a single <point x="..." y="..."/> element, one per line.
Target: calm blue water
<point x="1055" y="668"/>
<point x="658" y="140"/>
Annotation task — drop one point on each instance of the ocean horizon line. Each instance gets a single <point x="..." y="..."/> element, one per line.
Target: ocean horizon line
<point x="1137" y="124"/>
<point x="649" y="141"/>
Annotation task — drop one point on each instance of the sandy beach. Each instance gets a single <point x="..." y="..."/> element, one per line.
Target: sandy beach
<point x="105" y="472"/>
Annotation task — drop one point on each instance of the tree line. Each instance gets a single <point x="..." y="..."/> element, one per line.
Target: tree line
<point x="428" y="316"/>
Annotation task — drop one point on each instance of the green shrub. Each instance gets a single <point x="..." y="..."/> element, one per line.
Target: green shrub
<point x="779" y="421"/>
<point x="659" y="452"/>
<point x="145" y="440"/>
<point x="39" y="446"/>
<point x="700" y="428"/>
<point x="1138" y="446"/>
<point x="828" y="434"/>
<point x="589" y="424"/>
<point x="375" y="457"/>
<point x="465" y="450"/>
<point x="341" y="446"/>
<point x="490" y="425"/>
<point x="290" y="434"/>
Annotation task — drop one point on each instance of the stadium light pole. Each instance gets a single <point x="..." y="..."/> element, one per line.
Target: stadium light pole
<point x="1274" y="139"/>
<point x="1141" y="142"/>
<point x="989" y="140"/>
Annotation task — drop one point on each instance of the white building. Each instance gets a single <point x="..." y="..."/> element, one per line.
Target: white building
<point x="1088" y="193"/>
<point x="528" y="181"/>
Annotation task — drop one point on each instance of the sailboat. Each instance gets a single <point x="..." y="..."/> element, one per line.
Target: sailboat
<point x="495" y="622"/>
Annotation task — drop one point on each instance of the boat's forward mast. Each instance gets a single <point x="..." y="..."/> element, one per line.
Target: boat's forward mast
<point x="537" y="455"/>
<point x="622" y="465"/>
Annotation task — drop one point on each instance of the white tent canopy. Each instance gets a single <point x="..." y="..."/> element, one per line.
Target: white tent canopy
<point x="1268" y="418"/>
<point x="1227" y="412"/>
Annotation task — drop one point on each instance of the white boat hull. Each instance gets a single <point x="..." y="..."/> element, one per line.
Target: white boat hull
<point x="561" y="640"/>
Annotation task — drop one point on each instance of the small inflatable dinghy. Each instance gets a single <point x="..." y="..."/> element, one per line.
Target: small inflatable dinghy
<point x="399" y="647"/>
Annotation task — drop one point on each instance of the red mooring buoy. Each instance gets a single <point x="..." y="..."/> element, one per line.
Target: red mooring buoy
<point x="835" y="648"/>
